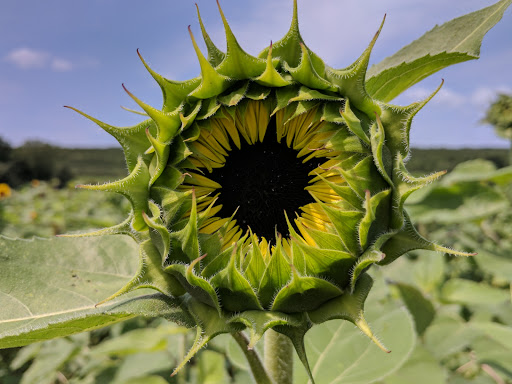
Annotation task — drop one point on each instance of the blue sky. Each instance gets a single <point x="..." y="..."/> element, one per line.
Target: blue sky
<point x="78" y="53"/>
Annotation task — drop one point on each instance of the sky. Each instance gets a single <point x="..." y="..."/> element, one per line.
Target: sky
<point x="60" y="52"/>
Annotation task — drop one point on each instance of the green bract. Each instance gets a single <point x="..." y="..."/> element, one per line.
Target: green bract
<point x="225" y="275"/>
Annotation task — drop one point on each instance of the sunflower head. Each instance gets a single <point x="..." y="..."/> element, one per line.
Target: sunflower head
<point x="264" y="189"/>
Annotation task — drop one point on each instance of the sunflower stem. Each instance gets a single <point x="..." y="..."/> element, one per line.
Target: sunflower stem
<point x="279" y="357"/>
<point x="258" y="370"/>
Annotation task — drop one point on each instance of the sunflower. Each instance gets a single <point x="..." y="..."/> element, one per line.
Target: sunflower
<point x="265" y="188"/>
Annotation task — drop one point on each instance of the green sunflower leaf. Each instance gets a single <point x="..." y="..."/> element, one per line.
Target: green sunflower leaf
<point x="139" y="340"/>
<point x="50" y="359"/>
<point x="453" y="42"/>
<point x="211" y="368"/>
<point x="419" y="306"/>
<point x="49" y="287"/>
<point x="340" y="338"/>
<point x="448" y="335"/>
<point x="472" y="293"/>
<point x="147" y="380"/>
<point x="421" y="368"/>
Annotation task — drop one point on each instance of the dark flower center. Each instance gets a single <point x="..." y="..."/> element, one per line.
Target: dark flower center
<point x="263" y="180"/>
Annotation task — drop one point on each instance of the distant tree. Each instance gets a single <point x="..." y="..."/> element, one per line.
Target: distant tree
<point x="40" y="158"/>
<point x="17" y="173"/>
<point x="499" y="115"/>
<point x="5" y="150"/>
<point x="64" y="175"/>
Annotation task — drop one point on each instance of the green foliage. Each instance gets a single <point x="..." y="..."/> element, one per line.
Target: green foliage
<point x="420" y="368"/>
<point x="42" y="161"/>
<point x="430" y="160"/>
<point x="335" y="349"/>
<point x="33" y="161"/>
<point x="39" y="209"/>
<point x="451" y="347"/>
<point x="468" y="338"/>
<point x="108" y="356"/>
<point x="5" y="150"/>
<point x="474" y="190"/>
<point x="499" y="115"/>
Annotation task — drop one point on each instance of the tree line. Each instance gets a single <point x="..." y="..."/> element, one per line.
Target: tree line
<point x="42" y="161"/>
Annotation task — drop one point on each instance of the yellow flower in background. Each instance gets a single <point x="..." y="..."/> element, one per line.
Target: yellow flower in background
<point x="5" y="191"/>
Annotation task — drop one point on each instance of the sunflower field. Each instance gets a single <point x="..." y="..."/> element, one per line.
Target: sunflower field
<point x="452" y="315"/>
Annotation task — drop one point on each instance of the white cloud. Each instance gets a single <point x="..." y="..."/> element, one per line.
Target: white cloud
<point x="416" y="94"/>
<point x="61" y="65"/>
<point x="482" y="97"/>
<point x="450" y="98"/>
<point x="26" y="58"/>
<point x="445" y="96"/>
<point x="479" y="99"/>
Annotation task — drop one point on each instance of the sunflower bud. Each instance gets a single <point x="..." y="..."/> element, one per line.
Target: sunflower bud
<point x="265" y="188"/>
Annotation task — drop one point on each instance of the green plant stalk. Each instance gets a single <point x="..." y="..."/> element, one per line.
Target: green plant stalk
<point x="258" y="370"/>
<point x="279" y="357"/>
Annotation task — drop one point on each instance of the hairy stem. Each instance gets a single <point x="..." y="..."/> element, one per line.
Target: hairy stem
<point x="279" y="357"/>
<point x="258" y="370"/>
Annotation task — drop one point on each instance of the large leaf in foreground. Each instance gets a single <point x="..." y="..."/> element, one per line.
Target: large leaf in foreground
<point x="453" y="42"/>
<point x="49" y="287"/>
<point x="336" y="348"/>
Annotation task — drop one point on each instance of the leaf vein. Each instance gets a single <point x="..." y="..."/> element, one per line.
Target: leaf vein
<point x="480" y="26"/>
<point x="18" y="301"/>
